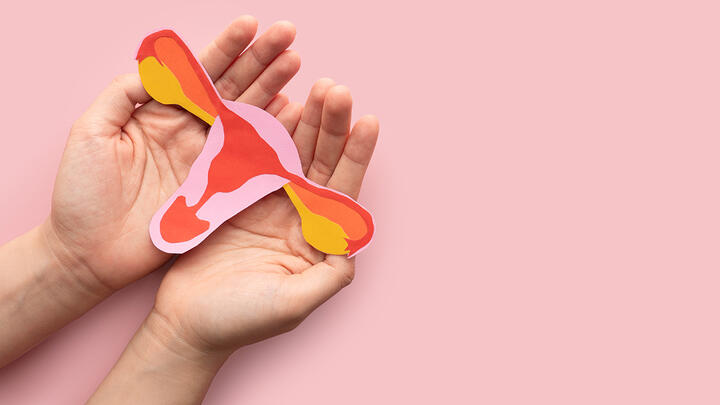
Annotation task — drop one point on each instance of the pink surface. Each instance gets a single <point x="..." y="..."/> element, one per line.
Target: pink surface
<point x="546" y="181"/>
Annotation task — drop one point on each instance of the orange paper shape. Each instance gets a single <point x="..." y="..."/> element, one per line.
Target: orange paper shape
<point x="248" y="154"/>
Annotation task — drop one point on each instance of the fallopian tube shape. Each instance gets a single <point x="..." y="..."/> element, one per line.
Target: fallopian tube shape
<point x="248" y="154"/>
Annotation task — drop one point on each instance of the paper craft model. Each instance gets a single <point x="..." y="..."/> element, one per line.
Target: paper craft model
<point x="248" y="154"/>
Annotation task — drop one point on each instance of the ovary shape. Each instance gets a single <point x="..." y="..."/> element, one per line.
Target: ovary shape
<point x="248" y="154"/>
<point x="226" y="178"/>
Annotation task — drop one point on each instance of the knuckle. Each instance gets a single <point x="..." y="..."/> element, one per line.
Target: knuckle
<point x="227" y="87"/>
<point x="322" y="168"/>
<point x="347" y="278"/>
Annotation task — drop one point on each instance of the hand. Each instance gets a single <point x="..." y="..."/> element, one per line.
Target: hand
<point x="121" y="162"/>
<point x="255" y="276"/>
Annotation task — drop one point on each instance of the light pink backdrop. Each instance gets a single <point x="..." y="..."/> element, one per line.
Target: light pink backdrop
<point x="545" y="189"/>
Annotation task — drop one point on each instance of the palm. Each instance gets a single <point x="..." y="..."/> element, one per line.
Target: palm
<point x="121" y="162"/>
<point x="242" y="274"/>
<point x="138" y="172"/>
<point x="255" y="276"/>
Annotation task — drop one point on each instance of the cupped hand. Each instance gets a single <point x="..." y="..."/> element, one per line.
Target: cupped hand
<point x="122" y="162"/>
<point x="255" y="276"/>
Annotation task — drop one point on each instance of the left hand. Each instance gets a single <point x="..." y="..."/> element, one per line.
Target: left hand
<point x="122" y="162"/>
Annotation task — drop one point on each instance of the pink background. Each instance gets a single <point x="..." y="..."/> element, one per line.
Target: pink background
<point x="545" y="188"/>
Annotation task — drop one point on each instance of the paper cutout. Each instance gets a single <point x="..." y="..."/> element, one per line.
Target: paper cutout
<point x="248" y="154"/>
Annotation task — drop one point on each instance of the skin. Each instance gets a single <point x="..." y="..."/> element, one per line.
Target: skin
<point x="139" y="156"/>
<point x="254" y="277"/>
<point x="121" y="162"/>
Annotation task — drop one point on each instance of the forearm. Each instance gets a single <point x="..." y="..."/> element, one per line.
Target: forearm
<point x="38" y="293"/>
<point x="158" y="367"/>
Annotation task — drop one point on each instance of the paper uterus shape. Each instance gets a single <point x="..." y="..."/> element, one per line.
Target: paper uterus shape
<point x="247" y="155"/>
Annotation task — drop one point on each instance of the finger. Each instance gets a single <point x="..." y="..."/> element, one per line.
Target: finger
<point x="248" y="66"/>
<point x="306" y="134"/>
<point x="277" y="104"/>
<point x="224" y="49"/>
<point x="114" y="106"/>
<point x="353" y="164"/>
<point x="320" y="282"/>
<point x="289" y="116"/>
<point x="334" y="128"/>
<point x="272" y="79"/>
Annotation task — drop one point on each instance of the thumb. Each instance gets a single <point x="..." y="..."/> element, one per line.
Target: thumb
<point x="112" y="109"/>
<point x="317" y="284"/>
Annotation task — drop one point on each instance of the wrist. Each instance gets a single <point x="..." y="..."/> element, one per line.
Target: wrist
<point x="167" y="337"/>
<point x="159" y="367"/>
<point x="77" y="277"/>
<point x="38" y="295"/>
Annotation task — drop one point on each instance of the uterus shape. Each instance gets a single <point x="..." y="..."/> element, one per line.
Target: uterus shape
<point x="247" y="155"/>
